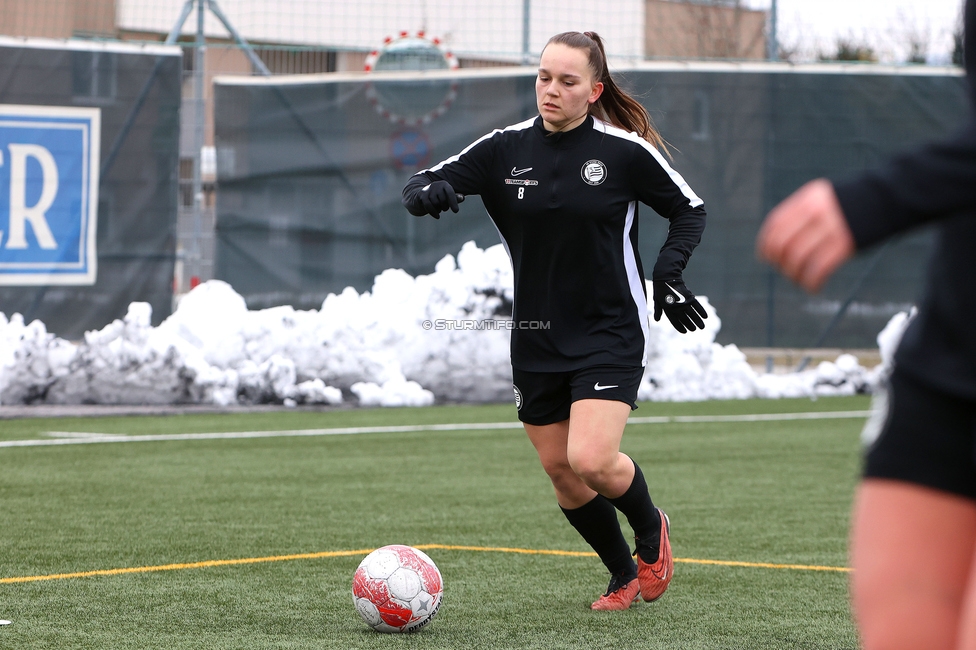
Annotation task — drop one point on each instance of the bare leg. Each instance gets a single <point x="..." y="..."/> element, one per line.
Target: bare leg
<point x="912" y="551"/>
<point x="967" y="627"/>
<point x="595" y="430"/>
<point x="550" y="442"/>
<point x="582" y="455"/>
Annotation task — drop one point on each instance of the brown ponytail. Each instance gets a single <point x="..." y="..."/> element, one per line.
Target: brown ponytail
<point x="615" y="105"/>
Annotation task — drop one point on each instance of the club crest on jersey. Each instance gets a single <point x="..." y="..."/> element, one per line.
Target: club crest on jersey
<point x="594" y="172"/>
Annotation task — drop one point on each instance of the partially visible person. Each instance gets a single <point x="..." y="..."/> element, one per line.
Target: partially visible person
<point x="563" y="191"/>
<point x="913" y="538"/>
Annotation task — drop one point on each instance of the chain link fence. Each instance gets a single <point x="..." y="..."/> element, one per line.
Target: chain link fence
<point x="310" y="37"/>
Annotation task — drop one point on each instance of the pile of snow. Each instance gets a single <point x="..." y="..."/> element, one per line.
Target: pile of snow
<point x="692" y="367"/>
<point x="407" y="342"/>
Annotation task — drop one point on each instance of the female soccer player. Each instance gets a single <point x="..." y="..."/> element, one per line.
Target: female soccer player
<point x="913" y="540"/>
<point x="562" y="189"/>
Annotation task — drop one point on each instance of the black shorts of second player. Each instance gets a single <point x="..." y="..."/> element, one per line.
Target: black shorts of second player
<point x="924" y="436"/>
<point x="546" y="397"/>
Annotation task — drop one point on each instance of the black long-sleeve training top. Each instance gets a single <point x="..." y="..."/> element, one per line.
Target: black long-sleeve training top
<point x="565" y="206"/>
<point x="937" y="182"/>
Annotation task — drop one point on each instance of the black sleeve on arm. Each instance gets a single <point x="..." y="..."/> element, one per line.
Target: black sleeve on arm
<point x="684" y="235"/>
<point x="411" y="194"/>
<point x="466" y="172"/>
<point x="666" y="192"/>
<point x="934" y="182"/>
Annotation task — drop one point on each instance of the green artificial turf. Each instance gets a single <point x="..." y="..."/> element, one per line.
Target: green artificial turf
<point x="760" y="492"/>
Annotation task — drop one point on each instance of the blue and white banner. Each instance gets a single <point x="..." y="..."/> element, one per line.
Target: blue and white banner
<point x="49" y="163"/>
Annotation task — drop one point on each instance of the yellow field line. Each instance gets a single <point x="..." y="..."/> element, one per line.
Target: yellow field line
<point x="766" y="565"/>
<point x="186" y="565"/>
<point x="504" y="549"/>
<point x="532" y="551"/>
<point x="365" y="551"/>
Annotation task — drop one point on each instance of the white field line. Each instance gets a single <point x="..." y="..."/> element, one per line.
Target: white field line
<point x="81" y="438"/>
<point x="83" y="434"/>
<point x="755" y="417"/>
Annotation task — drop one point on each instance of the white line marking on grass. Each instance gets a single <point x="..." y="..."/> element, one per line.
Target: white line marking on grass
<point x="78" y="438"/>
<point x="82" y="434"/>
<point x="82" y="438"/>
<point x="754" y="417"/>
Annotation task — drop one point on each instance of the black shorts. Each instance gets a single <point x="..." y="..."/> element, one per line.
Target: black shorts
<point x="546" y="397"/>
<point x="923" y="436"/>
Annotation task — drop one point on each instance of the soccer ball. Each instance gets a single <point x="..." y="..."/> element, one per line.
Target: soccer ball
<point x="397" y="589"/>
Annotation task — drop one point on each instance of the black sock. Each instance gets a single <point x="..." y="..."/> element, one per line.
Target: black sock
<point x="644" y="518"/>
<point x="597" y="523"/>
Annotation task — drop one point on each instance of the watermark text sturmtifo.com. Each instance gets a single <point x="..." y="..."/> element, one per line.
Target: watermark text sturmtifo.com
<point x="487" y="324"/>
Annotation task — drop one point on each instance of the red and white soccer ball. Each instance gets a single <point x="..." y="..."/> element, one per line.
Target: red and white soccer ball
<point x="397" y="589"/>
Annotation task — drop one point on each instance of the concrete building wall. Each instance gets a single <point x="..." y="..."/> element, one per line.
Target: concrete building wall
<point x="703" y="31"/>
<point x="57" y="18"/>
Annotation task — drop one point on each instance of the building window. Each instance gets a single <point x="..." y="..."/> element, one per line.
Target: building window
<point x="186" y="182"/>
<point x="297" y="60"/>
<point x="189" y="52"/>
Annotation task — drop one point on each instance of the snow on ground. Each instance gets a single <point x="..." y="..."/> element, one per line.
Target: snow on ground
<point x="408" y="342"/>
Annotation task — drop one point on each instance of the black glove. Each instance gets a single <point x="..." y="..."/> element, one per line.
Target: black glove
<point x="679" y="305"/>
<point x="438" y="196"/>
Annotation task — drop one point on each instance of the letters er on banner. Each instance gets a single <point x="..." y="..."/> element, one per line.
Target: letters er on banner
<point x="49" y="164"/>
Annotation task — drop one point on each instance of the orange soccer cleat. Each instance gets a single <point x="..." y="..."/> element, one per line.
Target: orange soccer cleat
<point x="655" y="578"/>
<point x="621" y="594"/>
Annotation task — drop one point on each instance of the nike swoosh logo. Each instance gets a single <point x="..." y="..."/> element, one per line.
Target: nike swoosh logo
<point x="597" y="386"/>
<point x="678" y="298"/>
<point x="518" y="172"/>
